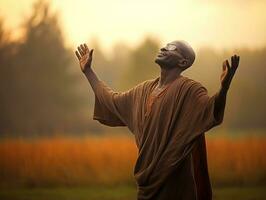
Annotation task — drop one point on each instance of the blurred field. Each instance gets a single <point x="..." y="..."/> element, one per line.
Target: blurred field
<point x="110" y="160"/>
<point x="67" y="161"/>
<point x="121" y="192"/>
<point x="237" y="161"/>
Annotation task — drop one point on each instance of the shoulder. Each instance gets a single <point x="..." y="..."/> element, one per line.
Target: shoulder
<point x="141" y="87"/>
<point x="193" y="83"/>
<point x="147" y="83"/>
<point x="190" y="86"/>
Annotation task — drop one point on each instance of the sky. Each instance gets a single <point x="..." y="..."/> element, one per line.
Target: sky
<point x="216" y="23"/>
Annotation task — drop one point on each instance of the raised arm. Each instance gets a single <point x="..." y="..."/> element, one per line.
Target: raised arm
<point x="84" y="56"/>
<point x="226" y="78"/>
<point x="111" y="108"/>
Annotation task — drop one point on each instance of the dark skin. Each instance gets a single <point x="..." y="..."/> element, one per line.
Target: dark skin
<point x="172" y="64"/>
<point x="168" y="60"/>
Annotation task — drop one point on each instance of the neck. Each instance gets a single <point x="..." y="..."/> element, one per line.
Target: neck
<point x="168" y="75"/>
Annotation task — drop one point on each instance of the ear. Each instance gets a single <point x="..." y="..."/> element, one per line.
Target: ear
<point x="183" y="63"/>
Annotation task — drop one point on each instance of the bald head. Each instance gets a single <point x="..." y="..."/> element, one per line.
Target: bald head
<point x="176" y="54"/>
<point x="186" y="50"/>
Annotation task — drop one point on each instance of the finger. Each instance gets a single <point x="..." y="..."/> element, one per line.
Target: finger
<point x="83" y="48"/>
<point x="235" y="58"/>
<point x="91" y="52"/>
<point x="232" y="61"/>
<point x="77" y="54"/>
<point x="80" y="51"/>
<point x="227" y="65"/>
<point x="235" y="63"/>
<point x="86" y="47"/>
<point x="224" y="65"/>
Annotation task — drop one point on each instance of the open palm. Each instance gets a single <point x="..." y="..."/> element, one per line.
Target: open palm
<point x="229" y="71"/>
<point x="85" y="57"/>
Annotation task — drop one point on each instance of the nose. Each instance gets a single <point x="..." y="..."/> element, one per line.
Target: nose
<point x="163" y="49"/>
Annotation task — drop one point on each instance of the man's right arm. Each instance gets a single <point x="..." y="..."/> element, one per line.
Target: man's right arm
<point x="92" y="78"/>
<point x="111" y="108"/>
<point x="84" y="56"/>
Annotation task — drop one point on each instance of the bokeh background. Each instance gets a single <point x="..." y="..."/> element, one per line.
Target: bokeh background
<point x="50" y="148"/>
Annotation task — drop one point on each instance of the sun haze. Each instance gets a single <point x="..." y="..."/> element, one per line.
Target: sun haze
<point x="220" y="24"/>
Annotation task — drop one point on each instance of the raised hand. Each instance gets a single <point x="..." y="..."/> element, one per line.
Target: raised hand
<point x="85" y="57"/>
<point x="229" y="71"/>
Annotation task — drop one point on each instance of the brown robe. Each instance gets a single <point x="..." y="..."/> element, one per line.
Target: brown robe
<point x="171" y="163"/>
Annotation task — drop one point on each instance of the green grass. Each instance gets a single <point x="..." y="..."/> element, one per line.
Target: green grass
<point x="240" y="193"/>
<point x="119" y="193"/>
<point x="83" y="193"/>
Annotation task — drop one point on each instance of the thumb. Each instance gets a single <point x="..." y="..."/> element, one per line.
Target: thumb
<point x="91" y="53"/>
<point x="224" y="65"/>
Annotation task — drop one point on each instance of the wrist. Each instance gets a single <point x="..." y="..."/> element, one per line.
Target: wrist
<point x="88" y="71"/>
<point x="224" y="89"/>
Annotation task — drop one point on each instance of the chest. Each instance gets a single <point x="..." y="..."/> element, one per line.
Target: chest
<point x="158" y="101"/>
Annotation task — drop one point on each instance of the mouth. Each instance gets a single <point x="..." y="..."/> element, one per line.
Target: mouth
<point x="161" y="54"/>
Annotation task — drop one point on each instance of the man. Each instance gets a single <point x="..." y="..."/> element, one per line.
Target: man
<point x="168" y="117"/>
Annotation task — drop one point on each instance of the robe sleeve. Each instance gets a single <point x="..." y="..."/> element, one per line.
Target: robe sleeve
<point x="113" y="108"/>
<point x="201" y="109"/>
<point x="203" y="119"/>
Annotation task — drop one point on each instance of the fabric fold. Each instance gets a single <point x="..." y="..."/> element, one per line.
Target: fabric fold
<point x="169" y="138"/>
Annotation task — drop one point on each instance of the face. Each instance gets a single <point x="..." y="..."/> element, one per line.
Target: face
<point x="170" y="56"/>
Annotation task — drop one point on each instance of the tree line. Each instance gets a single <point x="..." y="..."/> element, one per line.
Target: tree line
<point x="43" y="92"/>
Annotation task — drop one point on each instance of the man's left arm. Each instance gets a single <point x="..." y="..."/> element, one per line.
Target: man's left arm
<point x="226" y="78"/>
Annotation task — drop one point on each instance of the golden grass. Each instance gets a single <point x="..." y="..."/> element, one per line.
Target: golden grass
<point x="110" y="160"/>
<point x="237" y="160"/>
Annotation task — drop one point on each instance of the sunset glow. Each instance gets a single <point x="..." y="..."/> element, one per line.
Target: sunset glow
<point x="220" y="24"/>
